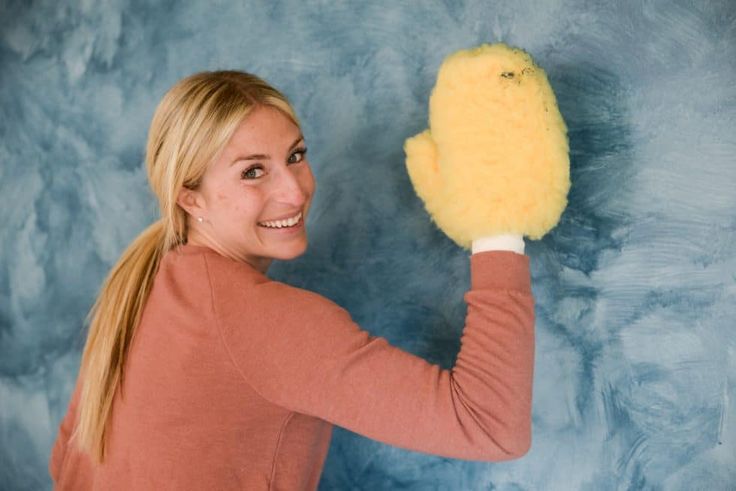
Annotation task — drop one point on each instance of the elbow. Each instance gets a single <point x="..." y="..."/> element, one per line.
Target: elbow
<point x="518" y="447"/>
<point x="516" y="437"/>
<point x="520" y="441"/>
<point x="514" y="444"/>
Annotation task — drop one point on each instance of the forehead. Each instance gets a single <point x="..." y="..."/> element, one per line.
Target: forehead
<point x="264" y="129"/>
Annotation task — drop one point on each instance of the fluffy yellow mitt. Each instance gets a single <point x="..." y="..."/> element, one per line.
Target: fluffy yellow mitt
<point x="495" y="157"/>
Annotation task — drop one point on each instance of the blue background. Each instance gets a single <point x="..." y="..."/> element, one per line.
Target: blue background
<point x="635" y="376"/>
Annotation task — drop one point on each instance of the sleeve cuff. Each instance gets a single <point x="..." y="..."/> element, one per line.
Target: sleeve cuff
<point x="503" y="270"/>
<point x="504" y="242"/>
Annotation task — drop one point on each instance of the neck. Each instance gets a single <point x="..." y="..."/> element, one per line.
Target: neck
<point x="198" y="238"/>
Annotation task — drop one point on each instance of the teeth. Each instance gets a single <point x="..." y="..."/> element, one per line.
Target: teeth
<point x="289" y="222"/>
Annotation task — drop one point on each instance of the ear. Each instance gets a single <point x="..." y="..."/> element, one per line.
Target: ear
<point x="192" y="202"/>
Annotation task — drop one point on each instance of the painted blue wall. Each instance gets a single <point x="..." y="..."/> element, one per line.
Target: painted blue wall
<point x="635" y="378"/>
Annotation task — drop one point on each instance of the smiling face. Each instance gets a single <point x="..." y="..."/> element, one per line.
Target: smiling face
<point x="254" y="198"/>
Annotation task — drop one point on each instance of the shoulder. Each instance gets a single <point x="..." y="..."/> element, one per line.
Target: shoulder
<point x="238" y="287"/>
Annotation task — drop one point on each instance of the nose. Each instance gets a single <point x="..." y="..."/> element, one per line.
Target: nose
<point x="289" y="189"/>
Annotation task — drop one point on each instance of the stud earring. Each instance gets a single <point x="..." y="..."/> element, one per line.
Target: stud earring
<point x="200" y="219"/>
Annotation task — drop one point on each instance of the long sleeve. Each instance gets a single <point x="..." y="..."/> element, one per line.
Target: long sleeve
<point x="303" y="352"/>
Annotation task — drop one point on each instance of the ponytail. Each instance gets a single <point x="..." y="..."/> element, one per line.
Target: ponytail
<point x="191" y="125"/>
<point x="115" y="316"/>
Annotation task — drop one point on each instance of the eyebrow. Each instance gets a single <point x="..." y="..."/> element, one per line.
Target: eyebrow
<point x="262" y="156"/>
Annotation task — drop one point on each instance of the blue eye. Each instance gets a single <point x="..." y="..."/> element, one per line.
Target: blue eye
<point x="301" y="152"/>
<point x="248" y="173"/>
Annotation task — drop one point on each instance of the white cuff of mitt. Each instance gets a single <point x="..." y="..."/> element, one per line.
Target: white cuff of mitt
<point x="504" y="242"/>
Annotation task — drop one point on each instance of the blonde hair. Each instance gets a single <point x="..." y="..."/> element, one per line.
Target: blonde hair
<point x="192" y="123"/>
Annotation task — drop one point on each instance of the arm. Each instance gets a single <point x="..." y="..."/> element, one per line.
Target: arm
<point x="303" y="352"/>
<point x="59" y="450"/>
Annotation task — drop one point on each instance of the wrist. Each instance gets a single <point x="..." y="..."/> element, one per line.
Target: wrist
<point x="501" y="242"/>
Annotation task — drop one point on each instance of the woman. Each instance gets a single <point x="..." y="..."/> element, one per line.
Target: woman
<point x="199" y="372"/>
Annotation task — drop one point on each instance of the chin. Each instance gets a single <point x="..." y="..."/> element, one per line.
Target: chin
<point x="292" y="253"/>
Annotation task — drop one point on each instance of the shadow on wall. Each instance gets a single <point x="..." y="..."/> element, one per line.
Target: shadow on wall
<point x="594" y="104"/>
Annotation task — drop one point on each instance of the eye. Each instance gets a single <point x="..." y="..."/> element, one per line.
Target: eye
<point x="299" y="154"/>
<point x="250" y="172"/>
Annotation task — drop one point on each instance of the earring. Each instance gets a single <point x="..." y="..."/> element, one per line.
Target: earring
<point x="200" y="219"/>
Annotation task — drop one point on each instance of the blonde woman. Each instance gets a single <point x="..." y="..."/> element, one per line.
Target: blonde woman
<point x="200" y="372"/>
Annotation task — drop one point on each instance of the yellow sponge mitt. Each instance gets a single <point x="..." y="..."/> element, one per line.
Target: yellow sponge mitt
<point x="495" y="157"/>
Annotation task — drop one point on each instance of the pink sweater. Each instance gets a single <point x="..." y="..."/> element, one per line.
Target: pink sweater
<point x="234" y="381"/>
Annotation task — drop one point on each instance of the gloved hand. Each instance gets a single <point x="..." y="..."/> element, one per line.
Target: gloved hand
<point x="494" y="160"/>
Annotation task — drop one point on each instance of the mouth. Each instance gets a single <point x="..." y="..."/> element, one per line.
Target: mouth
<point x="291" y="222"/>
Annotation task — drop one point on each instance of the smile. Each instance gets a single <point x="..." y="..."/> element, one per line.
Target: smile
<point x="287" y="222"/>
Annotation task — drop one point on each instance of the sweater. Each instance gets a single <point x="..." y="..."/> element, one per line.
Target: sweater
<point x="234" y="381"/>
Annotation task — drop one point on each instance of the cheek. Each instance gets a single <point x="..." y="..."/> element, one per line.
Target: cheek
<point x="238" y="201"/>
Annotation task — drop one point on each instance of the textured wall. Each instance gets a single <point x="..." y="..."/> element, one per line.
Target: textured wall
<point x="635" y="381"/>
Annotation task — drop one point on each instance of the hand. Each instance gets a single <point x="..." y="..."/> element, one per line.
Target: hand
<point x="495" y="157"/>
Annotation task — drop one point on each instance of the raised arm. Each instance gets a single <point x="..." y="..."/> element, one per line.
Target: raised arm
<point x="302" y="351"/>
